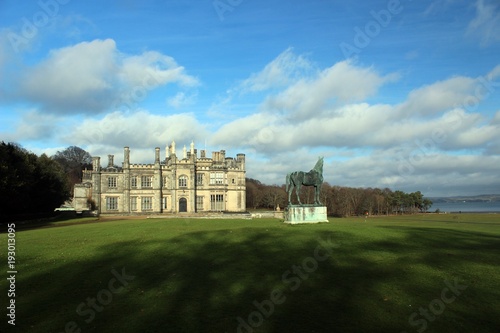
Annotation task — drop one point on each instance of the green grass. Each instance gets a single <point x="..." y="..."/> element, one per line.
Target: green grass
<point x="200" y="275"/>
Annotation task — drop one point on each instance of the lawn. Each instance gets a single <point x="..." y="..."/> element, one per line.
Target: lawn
<point x="432" y="273"/>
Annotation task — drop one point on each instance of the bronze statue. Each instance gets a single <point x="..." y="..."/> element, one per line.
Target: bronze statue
<point x="312" y="178"/>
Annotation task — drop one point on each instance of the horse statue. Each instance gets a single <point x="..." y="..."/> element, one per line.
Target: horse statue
<point x="312" y="178"/>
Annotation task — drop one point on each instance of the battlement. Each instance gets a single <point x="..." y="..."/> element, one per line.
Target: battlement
<point x="217" y="161"/>
<point x="142" y="166"/>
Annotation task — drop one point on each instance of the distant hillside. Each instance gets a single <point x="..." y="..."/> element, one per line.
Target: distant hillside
<point x="468" y="198"/>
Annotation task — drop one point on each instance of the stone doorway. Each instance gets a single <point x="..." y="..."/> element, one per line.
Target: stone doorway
<point x="183" y="205"/>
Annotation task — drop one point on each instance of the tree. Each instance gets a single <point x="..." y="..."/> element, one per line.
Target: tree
<point x="254" y="193"/>
<point x="341" y="201"/>
<point x="273" y="196"/>
<point x="73" y="160"/>
<point x="29" y="184"/>
<point x="51" y="187"/>
<point x="426" y="204"/>
<point x="396" y="201"/>
<point x="325" y="196"/>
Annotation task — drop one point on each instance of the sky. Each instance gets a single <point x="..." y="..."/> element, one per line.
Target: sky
<point x="396" y="94"/>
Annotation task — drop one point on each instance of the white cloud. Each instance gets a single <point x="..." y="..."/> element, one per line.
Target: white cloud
<point x="439" y="96"/>
<point x="486" y="23"/>
<point x="161" y="69"/>
<point x="181" y="99"/>
<point x="92" y="77"/>
<point x="341" y="83"/>
<point x="139" y="130"/>
<point x="80" y="76"/>
<point x="283" y="70"/>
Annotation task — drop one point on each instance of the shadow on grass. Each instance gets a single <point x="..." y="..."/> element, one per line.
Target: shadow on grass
<point x="205" y="281"/>
<point x="52" y="220"/>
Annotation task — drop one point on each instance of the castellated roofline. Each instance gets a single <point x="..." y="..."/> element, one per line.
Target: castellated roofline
<point x="190" y="156"/>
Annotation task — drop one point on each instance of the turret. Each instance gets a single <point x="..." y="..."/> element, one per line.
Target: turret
<point x="111" y="160"/>
<point x="157" y="155"/>
<point x="173" y="148"/>
<point x="126" y="157"/>
<point x="241" y="161"/>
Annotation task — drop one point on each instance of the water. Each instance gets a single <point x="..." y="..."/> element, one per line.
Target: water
<point x="467" y="206"/>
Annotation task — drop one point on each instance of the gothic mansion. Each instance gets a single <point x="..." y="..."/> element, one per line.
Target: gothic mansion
<point x="190" y="184"/>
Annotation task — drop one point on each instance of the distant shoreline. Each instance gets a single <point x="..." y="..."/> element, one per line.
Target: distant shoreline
<point x="466" y="206"/>
<point x="467" y="212"/>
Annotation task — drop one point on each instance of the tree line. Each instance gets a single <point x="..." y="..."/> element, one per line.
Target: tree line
<point x="31" y="185"/>
<point x="339" y="200"/>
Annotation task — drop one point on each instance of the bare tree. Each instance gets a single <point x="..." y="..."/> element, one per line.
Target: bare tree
<point x="73" y="160"/>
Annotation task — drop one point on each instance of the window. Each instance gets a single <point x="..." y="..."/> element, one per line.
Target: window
<point x="133" y="181"/>
<point x="146" y="181"/>
<point x="111" y="203"/>
<point x="233" y="181"/>
<point x="199" y="179"/>
<point x="147" y="203"/>
<point x="183" y="181"/>
<point x="164" y="203"/>
<point x="133" y="203"/>
<point x="199" y="203"/>
<point x="216" y="202"/>
<point x="217" y="178"/>
<point x="164" y="181"/>
<point x="112" y="182"/>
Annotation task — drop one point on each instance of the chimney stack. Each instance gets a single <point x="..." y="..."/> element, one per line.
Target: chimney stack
<point x="241" y="160"/>
<point x="96" y="164"/>
<point x="126" y="157"/>
<point x="111" y="160"/>
<point x="157" y="155"/>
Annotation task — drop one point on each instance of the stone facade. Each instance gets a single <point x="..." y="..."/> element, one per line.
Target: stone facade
<point x="190" y="184"/>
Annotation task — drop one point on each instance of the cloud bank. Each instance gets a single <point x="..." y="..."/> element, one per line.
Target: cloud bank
<point x="94" y="77"/>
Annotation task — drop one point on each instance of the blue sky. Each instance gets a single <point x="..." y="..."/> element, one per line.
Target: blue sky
<point x="399" y="94"/>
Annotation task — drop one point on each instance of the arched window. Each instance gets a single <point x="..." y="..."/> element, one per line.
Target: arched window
<point x="183" y="181"/>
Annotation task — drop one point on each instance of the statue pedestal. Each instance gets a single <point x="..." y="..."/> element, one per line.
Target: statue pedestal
<point x="305" y="214"/>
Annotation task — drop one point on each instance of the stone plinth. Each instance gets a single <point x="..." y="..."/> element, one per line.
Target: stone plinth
<point x="305" y="214"/>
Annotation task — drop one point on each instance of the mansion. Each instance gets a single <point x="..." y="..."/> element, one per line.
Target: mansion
<point x="191" y="184"/>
